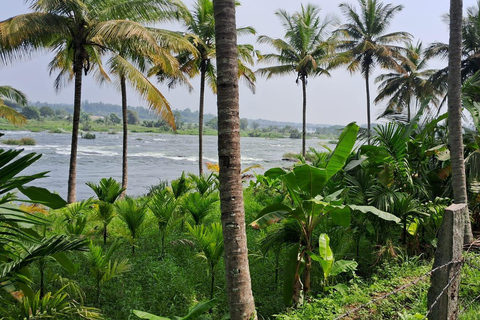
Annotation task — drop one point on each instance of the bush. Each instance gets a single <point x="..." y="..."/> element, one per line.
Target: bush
<point x="21" y="142"/>
<point x="88" y="135"/>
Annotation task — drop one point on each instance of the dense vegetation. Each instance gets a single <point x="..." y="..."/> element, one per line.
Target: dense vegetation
<point x="325" y="235"/>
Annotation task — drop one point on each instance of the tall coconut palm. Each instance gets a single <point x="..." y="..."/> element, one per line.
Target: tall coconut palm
<point x="239" y="288"/>
<point x="365" y="41"/>
<point x="130" y="67"/>
<point x="412" y="85"/>
<point x="200" y="28"/>
<point x="455" y="136"/>
<point x="16" y="96"/>
<point x="78" y="32"/>
<point x="470" y="49"/>
<point x="303" y="52"/>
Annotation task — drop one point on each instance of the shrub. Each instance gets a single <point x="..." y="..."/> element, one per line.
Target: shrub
<point x="21" y="142"/>
<point x="88" y="135"/>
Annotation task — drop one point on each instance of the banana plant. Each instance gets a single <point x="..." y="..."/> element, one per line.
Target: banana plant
<point x="195" y="314"/>
<point x="309" y="205"/>
<point x="330" y="266"/>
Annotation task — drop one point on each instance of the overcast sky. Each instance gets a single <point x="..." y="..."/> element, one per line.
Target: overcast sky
<point x="339" y="99"/>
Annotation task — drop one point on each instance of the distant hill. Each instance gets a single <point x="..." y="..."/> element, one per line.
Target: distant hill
<point x="185" y="115"/>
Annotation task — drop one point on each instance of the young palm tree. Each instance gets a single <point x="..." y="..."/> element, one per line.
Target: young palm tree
<point x="239" y="287"/>
<point x="133" y="215"/>
<point x="107" y="191"/>
<point x="78" y="32"/>
<point x="200" y="25"/>
<point x="210" y="242"/>
<point x="303" y="52"/>
<point x="410" y="85"/>
<point x="16" y="96"/>
<point x="366" y="44"/>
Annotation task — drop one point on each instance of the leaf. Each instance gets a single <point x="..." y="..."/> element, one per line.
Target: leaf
<point x="199" y="309"/>
<point x="379" y="213"/>
<point x="341" y="216"/>
<point x="290" y="273"/>
<point x="326" y="254"/>
<point x="342" y="151"/>
<point x="310" y="180"/>
<point x="343" y="266"/>
<point x="43" y="196"/>
<point x="270" y="215"/>
<point x="274" y="173"/>
<point x="64" y="261"/>
<point x="146" y="315"/>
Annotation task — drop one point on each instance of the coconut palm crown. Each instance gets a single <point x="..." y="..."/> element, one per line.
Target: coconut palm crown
<point x="411" y="86"/>
<point x="304" y="51"/>
<point x="366" y="43"/>
<point x="78" y="32"/>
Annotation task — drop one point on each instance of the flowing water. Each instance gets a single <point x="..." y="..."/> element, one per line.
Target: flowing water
<point x="151" y="157"/>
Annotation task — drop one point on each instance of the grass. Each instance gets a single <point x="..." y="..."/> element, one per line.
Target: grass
<point x="20" y="142"/>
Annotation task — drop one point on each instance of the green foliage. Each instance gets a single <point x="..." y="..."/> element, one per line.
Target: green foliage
<point x="210" y="243"/>
<point x="199" y="206"/>
<point x="103" y="267"/>
<point x="133" y="214"/>
<point x="20" y="142"/>
<point x="195" y="313"/>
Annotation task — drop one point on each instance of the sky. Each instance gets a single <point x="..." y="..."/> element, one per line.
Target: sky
<point x="339" y="99"/>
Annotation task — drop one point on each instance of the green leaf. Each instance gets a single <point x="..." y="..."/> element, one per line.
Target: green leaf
<point x="310" y="180"/>
<point x="379" y="213"/>
<point x="146" y="315"/>
<point x="64" y="261"/>
<point x="326" y="254"/>
<point x="344" y="147"/>
<point x="199" y="309"/>
<point x="270" y="215"/>
<point x="274" y="173"/>
<point x="343" y="266"/>
<point x="341" y="216"/>
<point x="43" y="196"/>
<point x="290" y="274"/>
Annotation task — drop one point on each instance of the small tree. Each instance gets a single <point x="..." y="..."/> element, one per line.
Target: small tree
<point x="132" y="117"/>
<point x="31" y="113"/>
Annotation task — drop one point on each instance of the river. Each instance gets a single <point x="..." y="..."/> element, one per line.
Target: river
<point x="152" y="157"/>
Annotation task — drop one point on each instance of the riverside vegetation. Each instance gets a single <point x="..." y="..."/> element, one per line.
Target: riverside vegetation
<point x="369" y="216"/>
<point x="349" y="226"/>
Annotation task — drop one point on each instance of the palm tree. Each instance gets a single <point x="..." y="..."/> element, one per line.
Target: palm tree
<point x="130" y="66"/>
<point x="365" y="41"/>
<point x="200" y="27"/>
<point x="107" y="191"/>
<point x="303" y="52"/>
<point x="412" y="84"/>
<point x="133" y="214"/>
<point x="210" y="242"/>
<point x="16" y="96"/>
<point x="455" y="136"/>
<point x="78" y="32"/>
<point x="239" y="287"/>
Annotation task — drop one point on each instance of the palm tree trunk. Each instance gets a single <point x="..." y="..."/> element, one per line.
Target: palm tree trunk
<point x="239" y="289"/>
<point x="104" y="234"/>
<point x="455" y="112"/>
<point x="125" y="135"/>
<point x="304" y="110"/>
<point x="212" y="285"/>
<point x="203" y="68"/>
<point x="367" y="87"/>
<point x="72" y="173"/>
